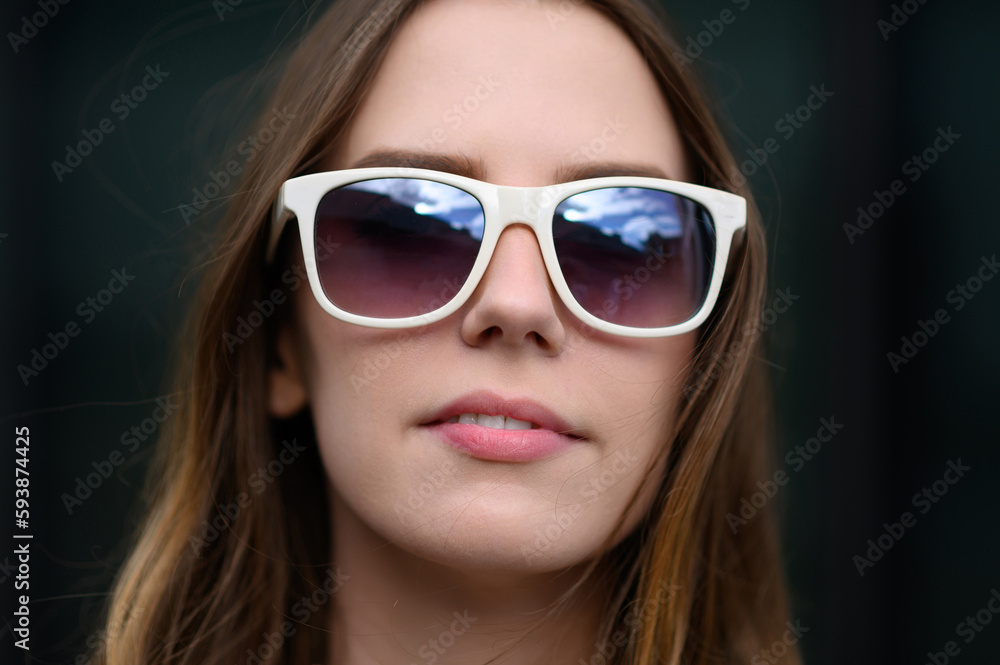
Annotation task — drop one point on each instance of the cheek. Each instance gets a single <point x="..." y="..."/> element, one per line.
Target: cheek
<point x="354" y="377"/>
<point x="637" y="382"/>
<point x="642" y="395"/>
<point x="362" y="384"/>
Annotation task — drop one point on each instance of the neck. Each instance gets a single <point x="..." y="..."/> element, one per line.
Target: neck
<point x="397" y="607"/>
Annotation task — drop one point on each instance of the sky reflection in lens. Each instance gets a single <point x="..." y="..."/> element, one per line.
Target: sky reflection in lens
<point x="633" y="214"/>
<point x="458" y="208"/>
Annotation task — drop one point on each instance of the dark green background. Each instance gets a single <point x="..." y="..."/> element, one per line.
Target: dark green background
<point x="120" y="209"/>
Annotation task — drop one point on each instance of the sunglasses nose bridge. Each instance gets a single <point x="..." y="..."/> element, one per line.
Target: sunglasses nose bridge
<point x="532" y="207"/>
<point x="522" y="205"/>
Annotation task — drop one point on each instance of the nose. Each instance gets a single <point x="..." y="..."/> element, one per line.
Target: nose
<point x="515" y="304"/>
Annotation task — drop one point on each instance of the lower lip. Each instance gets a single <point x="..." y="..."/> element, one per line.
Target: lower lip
<point x="502" y="445"/>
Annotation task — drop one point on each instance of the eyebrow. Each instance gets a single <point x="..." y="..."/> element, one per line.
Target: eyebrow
<point x="454" y="164"/>
<point x="470" y="168"/>
<point x="608" y="169"/>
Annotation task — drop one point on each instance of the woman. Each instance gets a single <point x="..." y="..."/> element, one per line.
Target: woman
<point x="393" y="302"/>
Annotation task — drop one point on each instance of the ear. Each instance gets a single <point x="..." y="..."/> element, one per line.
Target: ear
<point x="286" y="388"/>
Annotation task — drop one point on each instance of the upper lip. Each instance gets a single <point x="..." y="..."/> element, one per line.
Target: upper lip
<point x="494" y="404"/>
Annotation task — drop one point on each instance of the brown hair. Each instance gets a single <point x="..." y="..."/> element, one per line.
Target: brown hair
<point x="213" y="573"/>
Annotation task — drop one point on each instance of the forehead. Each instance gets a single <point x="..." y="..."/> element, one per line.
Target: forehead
<point x="525" y="90"/>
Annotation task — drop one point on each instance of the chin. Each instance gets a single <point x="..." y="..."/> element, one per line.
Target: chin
<point x="491" y="535"/>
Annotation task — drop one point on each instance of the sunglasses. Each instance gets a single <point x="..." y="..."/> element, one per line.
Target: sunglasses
<point x="405" y="247"/>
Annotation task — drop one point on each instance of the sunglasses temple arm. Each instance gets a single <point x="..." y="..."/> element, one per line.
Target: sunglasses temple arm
<point x="735" y="245"/>
<point x="279" y="218"/>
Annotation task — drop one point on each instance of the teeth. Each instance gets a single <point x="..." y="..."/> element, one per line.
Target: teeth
<point x="494" y="422"/>
<point x="513" y="423"/>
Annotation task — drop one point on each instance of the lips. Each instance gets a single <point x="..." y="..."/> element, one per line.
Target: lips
<point x="488" y="426"/>
<point x="493" y="404"/>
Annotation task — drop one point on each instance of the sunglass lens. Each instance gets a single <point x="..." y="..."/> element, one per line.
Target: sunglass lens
<point x="636" y="257"/>
<point x="396" y="247"/>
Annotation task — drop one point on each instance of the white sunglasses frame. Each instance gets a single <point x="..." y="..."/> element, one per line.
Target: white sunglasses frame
<point x="503" y="206"/>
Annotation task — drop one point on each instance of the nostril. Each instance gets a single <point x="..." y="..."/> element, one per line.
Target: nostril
<point x="496" y="332"/>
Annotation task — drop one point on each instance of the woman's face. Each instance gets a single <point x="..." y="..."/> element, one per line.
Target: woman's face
<point x="523" y="94"/>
